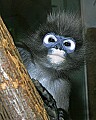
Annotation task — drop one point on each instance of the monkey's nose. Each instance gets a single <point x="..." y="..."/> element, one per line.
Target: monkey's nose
<point x="58" y="47"/>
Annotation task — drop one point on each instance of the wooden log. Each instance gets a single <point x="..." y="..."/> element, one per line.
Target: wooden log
<point x="19" y="99"/>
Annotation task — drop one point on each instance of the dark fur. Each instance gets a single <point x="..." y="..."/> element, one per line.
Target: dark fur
<point x="53" y="77"/>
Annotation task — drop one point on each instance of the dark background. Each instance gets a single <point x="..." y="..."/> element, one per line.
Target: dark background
<point x="21" y="15"/>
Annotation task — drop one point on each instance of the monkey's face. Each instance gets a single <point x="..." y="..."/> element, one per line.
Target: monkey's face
<point x="58" y="47"/>
<point x="57" y="50"/>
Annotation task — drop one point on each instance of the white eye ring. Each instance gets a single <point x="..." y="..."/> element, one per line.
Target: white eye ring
<point x="71" y="46"/>
<point x="47" y="37"/>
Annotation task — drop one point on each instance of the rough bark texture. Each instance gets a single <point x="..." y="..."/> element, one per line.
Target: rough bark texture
<point x="19" y="99"/>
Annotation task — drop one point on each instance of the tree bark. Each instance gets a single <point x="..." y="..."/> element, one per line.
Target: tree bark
<point x="19" y="99"/>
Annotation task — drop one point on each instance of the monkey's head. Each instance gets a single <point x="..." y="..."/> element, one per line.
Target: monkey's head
<point x="58" y="43"/>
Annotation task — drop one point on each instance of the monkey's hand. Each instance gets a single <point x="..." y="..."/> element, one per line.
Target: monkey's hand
<point x="50" y="104"/>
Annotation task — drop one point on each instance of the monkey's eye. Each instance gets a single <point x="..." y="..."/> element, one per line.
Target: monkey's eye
<point x="49" y="39"/>
<point x="69" y="45"/>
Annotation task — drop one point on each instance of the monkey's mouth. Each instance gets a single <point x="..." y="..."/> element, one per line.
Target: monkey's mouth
<point x="57" y="55"/>
<point x="55" y="58"/>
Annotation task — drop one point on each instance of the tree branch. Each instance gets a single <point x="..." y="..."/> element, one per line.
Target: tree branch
<point x="19" y="99"/>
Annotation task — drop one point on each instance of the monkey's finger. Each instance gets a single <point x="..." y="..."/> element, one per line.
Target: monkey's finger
<point x="63" y="115"/>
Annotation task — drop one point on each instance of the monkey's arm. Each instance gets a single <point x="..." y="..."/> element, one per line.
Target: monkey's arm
<point x="50" y="104"/>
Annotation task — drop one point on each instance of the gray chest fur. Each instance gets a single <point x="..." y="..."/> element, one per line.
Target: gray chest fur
<point x="59" y="88"/>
